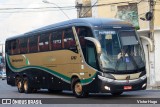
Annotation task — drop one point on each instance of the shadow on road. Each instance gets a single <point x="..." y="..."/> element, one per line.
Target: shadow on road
<point x="91" y="95"/>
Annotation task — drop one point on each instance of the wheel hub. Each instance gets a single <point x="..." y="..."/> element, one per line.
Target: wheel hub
<point x="25" y="85"/>
<point x="19" y="85"/>
<point x="78" y="88"/>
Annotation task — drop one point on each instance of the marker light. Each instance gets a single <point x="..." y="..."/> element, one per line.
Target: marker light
<point x="144" y="85"/>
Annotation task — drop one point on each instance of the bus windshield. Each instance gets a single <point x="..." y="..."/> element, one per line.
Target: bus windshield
<point x="121" y="50"/>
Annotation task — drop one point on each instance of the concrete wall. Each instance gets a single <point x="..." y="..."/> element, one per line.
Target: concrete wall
<point x="146" y="51"/>
<point x="157" y="15"/>
<point x="157" y="56"/>
<point x="152" y="58"/>
<point x="94" y="9"/>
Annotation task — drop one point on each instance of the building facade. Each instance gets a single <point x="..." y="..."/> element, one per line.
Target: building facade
<point x="129" y="10"/>
<point x="83" y="8"/>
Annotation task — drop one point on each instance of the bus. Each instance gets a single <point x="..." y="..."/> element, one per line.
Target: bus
<point x="85" y="55"/>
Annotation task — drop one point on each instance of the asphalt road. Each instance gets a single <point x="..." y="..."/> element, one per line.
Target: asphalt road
<point x="98" y="100"/>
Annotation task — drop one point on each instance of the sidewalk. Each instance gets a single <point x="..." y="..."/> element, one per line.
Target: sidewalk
<point x="153" y="87"/>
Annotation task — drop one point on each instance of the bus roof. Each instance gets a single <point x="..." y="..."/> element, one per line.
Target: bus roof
<point x="92" y="22"/>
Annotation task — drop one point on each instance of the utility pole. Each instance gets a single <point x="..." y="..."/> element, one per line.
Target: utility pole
<point x="79" y="4"/>
<point x="151" y="23"/>
<point x="79" y="9"/>
<point x="151" y="35"/>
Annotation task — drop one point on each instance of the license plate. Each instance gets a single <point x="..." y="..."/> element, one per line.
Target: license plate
<point x="127" y="87"/>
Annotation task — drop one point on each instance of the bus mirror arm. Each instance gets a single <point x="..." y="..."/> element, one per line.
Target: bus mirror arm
<point x="149" y="41"/>
<point x="96" y="42"/>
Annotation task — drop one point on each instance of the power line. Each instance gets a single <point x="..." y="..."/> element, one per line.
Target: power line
<point x="4" y="10"/>
<point x="39" y="9"/>
<point x="32" y="3"/>
<point x="31" y="11"/>
<point x="90" y="8"/>
<point x="63" y="7"/>
<point x="115" y="3"/>
<point x="66" y="7"/>
<point x="45" y="1"/>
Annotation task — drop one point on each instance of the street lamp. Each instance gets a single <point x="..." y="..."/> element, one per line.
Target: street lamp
<point x="45" y="1"/>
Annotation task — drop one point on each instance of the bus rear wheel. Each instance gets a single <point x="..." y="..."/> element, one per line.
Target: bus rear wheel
<point x="78" y="89"/>
<point x="20" y="85"/>
<point x="27" y="87"/>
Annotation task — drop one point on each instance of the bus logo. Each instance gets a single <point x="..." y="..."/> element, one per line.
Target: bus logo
<point x="128" y="78"/>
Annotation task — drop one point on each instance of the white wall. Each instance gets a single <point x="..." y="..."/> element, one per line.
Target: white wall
<point x="152" y="58"/>
<point x="146" y="48"/>
<point x="157" y="56"/>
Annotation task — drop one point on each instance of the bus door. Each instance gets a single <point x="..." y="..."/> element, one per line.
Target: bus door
<point x="91" y="54"/>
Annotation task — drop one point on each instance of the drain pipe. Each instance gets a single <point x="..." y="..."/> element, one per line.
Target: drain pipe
<point x="149" y="41"/>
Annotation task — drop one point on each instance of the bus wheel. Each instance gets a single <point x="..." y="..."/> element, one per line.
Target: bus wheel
<point x="78" y="89"/>
<point x="116" y="93"/>
<point x="19" y="84"/>
<point x="27" y="87"/>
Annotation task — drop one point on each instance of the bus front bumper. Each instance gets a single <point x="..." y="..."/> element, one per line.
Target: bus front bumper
<point x="109" y="85"/>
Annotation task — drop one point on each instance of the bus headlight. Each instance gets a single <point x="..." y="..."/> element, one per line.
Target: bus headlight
<point x="107" y="88"/>
<point x="143" y="77"/>
<point x="105" y="79"/>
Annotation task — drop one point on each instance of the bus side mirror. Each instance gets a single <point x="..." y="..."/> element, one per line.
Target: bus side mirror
<point x="96" y="42"/>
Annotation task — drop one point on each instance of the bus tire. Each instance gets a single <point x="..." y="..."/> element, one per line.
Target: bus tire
<point x="78" y="89"/>
<point x="116" y="93"/>
<point x="27" y="86"/>
<point x="20" y="86"/>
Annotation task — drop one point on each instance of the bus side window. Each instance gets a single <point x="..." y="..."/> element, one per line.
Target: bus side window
<point x="44" y="42"/>
<point x="56" y="40"/>
<point x="69" y="41"/>
<point x="91" y="54"/>
<point x="83" y="32"/>
<point x="14" y="47"/>
<point x="23" y="45"/>
<point x="8" y="47"/>
<point x="33" y="47"/>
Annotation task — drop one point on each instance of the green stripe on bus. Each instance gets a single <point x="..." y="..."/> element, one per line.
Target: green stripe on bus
<point x="85" y="81"/>
<point x="37" y="67"/>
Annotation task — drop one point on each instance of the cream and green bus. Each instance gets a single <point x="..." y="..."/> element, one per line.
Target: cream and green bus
<point x="86" y="55"/>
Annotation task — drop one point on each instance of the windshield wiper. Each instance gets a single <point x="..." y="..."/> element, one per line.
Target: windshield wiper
<point x="130" y="56"/>
<point x="121" y="58"/>
<point x="117" y="63"/>
<point x="108" y="69"/>
<point x="134" y="62"/>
